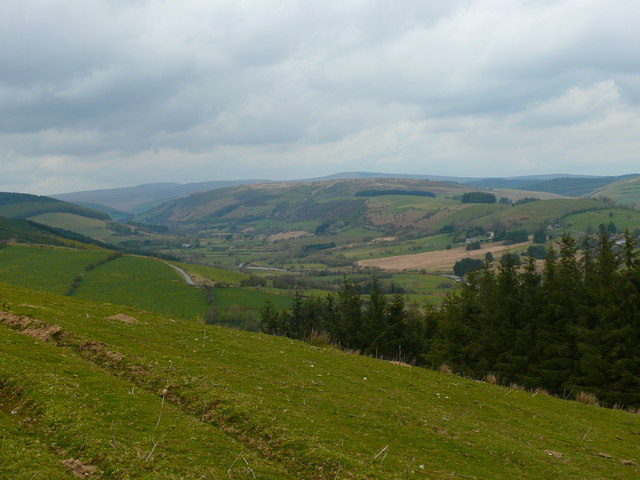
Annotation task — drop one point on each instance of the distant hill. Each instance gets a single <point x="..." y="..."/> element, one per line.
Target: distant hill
<point x="23" y="231"/>
<point x="144" y="197"/>
<point x="572" y="186"/>
<point x="23" y="206"/>
<point x="307" y="205"/>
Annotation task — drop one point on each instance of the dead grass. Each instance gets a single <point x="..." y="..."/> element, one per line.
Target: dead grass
<point x="319" y="338"/>
<point x="491" y="378"/>
<point x="124" y="319"/>
<point x="78" y="468"/>
<point x="588" y="398"/>
<point x="444" y="368"/>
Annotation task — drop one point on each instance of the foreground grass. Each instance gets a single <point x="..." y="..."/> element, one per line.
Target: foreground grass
<point x="316" y="411"/>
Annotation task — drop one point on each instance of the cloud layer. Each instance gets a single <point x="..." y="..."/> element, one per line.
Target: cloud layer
<point x="100" y="93"/>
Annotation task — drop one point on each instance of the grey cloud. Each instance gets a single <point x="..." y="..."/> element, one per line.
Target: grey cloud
<point x="329" y="85"/>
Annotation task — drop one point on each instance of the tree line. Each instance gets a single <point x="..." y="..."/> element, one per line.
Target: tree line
<point x="573" y="326"/>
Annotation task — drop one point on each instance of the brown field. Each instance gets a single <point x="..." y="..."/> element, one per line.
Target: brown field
<point x="289" y="235"/>
<point x="440" y="261"/>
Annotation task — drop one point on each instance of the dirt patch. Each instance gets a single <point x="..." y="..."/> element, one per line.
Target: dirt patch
<point x="200" y="280"/>
<point x="124" y="319"/>
<point x="78" y="468"/>
<point x="289" y="235"/>
<point x="440" y="261"/>
<point x="33" y="327"/>
<point x="93" y="349"/>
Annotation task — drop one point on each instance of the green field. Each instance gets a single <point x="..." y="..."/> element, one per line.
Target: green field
<point x="290" y="409"/>
<point x="623" y="192"/>
<point x="143" y="283"/>
<point x="44" y="268"/>
<point x="589" y="221"/>
<point x="247" y="299"/>
<point x="91" y="227"/>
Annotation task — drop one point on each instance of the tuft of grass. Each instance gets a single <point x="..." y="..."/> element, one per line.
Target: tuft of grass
<point x="319" y="338"/>
<point x="491" y="378"/>
<point x="444" y="368"/>
<point x="587" y="398"/>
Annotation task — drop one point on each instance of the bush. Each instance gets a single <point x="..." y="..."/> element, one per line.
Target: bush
<point x="473" y="246"/>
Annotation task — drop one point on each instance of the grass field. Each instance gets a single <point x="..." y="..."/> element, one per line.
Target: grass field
<point x="247" y="299"/>
<point x="291" y="410"/>
<point x="622" y="217"/>
<point x="44" y="268"/>
<point x="623" y="192"/>
<point x="143" y="283"/>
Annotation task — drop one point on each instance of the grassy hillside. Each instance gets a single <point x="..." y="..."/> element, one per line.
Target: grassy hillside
<point x="290" y="205"/>
<point x="623" y="192"/>
<point x="143" y="283"/>
<point x="22" y="205"/>
<point x="44" y="268"/>
<point x="173" y="399"/>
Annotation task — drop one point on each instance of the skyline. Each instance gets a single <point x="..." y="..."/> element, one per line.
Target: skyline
<point x="103" y="93"/>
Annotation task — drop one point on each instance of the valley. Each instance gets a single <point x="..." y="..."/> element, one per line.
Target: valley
<point x="163" y="388"/>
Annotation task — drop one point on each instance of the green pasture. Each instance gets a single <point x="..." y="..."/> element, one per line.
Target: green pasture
<point x="145" y="284"/>
<point x="589" y="221"/>
<point x="44" y="268"/>
<point x="623" y="192"/>
<point x="247" y="299"/>
<point x="91" y="227"/>
<point x="541" y="212"/>
<point x="288" y="408"/>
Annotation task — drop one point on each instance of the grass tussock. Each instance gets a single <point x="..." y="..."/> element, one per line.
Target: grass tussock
<point x="444" y="368"/>
<point x="319" y="338"/>
<point x="491" y="378"/>
<point x="588" y="398"/>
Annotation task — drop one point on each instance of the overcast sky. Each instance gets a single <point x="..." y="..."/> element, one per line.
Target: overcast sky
<point x="105" y="93"/>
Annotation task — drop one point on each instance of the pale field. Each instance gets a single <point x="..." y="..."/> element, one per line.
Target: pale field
<point x="441" y="261"/>
<point x="289" y="235"/>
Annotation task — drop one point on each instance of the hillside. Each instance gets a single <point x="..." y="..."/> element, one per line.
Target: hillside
<point x="567" y="185"/>
<point x="195" y="401"/>
<point x="623" y="192"/>
<point x="23" y="206"/>
<point x="291" y="206"/>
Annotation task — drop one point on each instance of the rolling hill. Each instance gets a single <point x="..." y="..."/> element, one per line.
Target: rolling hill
<point x="300" y="206"/>
<point x="623" y="192"/>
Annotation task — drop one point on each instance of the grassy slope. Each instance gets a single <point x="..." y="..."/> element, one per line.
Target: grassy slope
<point x="91" y="227"/>
<point x="143" y="283"/>
<point x="622" y="217"/>
<point x="316" y="411"/>
<point x="46" y="268"/>
<point x="624" y="192"/>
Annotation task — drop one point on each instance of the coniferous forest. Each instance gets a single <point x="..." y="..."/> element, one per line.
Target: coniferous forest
<point x="572" y="325"/>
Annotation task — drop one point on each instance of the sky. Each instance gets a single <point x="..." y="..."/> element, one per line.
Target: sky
<point x="107" y="93"/>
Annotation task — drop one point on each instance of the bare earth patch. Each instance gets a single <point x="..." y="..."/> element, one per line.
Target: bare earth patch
<point x="31" y="326"/>
<point x="124" y="319"/>
<point x="440" y="261"/>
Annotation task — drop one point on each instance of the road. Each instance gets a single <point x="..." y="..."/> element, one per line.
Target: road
<point x="183" y="274"/>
